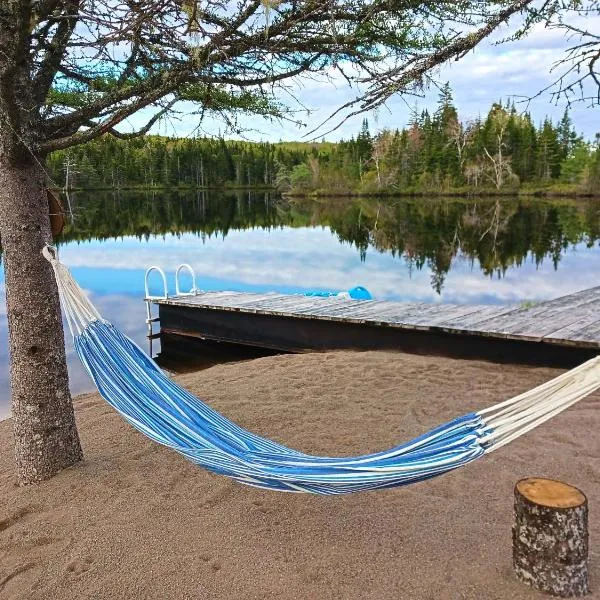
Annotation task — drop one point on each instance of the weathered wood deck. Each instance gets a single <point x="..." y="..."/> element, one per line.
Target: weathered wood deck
<point x="563" y="330"/>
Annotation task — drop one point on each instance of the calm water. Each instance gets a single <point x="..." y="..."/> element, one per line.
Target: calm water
<point x="414" y="250"/>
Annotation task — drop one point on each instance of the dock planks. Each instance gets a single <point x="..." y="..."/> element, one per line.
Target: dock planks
<point x="570" y="321"/>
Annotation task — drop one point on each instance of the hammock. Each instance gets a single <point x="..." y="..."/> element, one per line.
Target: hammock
<point x="150" y="401"/>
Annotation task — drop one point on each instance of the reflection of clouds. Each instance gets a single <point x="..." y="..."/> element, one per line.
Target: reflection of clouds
<point x="576" y="271"/>
<point x="286" y="259"/>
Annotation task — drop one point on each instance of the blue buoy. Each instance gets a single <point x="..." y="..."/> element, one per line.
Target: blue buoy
<point x="360" y="293"/>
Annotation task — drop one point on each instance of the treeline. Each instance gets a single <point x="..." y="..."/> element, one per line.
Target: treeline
<point x="436" y="153"/>
<point x="439" y="153"/>
<point x="161" y="162"/>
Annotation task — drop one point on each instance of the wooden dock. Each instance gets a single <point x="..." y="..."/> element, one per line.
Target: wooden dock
<point x="563" y="331"/>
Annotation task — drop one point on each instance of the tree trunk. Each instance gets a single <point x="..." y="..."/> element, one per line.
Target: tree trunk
<point x="46" y="439"/>
<point x="550" y="537"/>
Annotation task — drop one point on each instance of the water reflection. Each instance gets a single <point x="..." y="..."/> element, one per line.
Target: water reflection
<point x="451" y="250"/>
<point x="125" y="310"/>
<point x="494" y="235"/>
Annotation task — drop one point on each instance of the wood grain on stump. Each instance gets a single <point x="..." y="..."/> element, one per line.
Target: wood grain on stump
<point x="550" y="537"/>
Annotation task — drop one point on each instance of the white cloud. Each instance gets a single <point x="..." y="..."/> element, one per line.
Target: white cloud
<point x="518" y="70"/>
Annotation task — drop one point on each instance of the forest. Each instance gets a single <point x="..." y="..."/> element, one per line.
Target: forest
<point x="437" y="153"/>
<point x="154" y="161"/>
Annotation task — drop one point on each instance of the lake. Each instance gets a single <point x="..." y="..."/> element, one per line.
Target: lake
<point x="426" y="250"/>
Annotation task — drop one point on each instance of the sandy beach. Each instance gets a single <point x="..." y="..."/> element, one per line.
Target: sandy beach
<point x="135" y="520"/>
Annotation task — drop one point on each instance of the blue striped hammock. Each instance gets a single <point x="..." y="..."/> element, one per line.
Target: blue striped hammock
<point x="150" y="401"/>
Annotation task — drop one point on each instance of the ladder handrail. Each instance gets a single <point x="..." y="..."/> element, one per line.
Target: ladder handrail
<point x="193" y="289"/>
<point x="147" y="286"/>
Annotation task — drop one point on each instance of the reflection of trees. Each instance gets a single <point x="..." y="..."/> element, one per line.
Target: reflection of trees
<point x="109" y="215"/>
<point x="497" y="234"/>
<point x="425" y="233"/>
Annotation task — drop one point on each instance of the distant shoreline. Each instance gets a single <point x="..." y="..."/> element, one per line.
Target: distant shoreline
<point x="485" y="193"/>
<point x="541" y="194"/>
<point x="160" y="188"/>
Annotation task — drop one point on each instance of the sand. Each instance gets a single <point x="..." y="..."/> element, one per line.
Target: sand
<point x="135" y="520"/>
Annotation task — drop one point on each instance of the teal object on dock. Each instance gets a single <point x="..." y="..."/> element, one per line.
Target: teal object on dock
<point x="360" y="293"/>
<point x="356" y="293"/>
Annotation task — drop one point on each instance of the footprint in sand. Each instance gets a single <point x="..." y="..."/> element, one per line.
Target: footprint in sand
<point x="218" y="495"/>
<point x="260" y="506"/>
<point x="15" y="517"/>
<point x="309" y="575"/>
<point x="79" y="565"/>
<point x="13" y="573"/>
<point x="87" y="404"/>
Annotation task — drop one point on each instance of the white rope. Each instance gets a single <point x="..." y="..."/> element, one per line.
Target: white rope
<point x="513" y="418"/>
<point x="543" y="388"/>
<point x="79" y="311"/>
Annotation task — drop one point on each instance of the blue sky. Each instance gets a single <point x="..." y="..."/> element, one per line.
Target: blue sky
<point x="512" y="70"/>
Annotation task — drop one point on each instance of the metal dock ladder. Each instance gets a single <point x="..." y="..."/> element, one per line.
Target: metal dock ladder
<point x="149" y="298"/>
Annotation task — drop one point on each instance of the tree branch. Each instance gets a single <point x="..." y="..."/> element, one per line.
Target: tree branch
<point x="56" y="50"/>
<point x="140" y="132"/>
<point x="397" y="80"/>
<point x="114" y="57"/>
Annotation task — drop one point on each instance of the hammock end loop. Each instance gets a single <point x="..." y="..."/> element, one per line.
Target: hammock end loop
<point x="50" y="253"/>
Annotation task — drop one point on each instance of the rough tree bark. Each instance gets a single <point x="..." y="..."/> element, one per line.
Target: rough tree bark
<point x="46" y="438"/>
<point x="550" y="537"/>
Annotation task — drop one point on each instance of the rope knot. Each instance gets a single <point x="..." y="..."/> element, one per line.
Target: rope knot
<point x="49" y="253"/>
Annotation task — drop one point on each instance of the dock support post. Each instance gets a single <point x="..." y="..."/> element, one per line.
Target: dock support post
<point x="550" y="537"/>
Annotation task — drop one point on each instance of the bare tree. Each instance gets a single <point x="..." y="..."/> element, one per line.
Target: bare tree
<point x="499" y="168"/>
<point x="381" y="148"/>
<point x="459" y="136"/>
<point x="74" y="70"/>
<point x="499" y="163"/>
<point x="474" y="173"/>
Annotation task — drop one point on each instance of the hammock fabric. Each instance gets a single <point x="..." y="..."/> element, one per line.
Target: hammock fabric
<point x="133" y="384"/>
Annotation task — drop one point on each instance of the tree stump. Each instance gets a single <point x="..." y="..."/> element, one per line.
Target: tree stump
<point x="550" y="537"/>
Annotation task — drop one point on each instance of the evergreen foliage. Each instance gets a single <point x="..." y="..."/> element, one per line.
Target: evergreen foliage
<point x="435" y="153"/>
<point x="439" y="153"/>
<point x="156" y="161"/>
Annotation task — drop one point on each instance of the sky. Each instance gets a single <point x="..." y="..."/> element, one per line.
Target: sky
<point x="513" y="70"/>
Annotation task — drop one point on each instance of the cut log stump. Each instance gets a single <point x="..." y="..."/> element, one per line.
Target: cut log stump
<point x="550" y="537"/>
